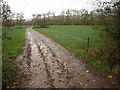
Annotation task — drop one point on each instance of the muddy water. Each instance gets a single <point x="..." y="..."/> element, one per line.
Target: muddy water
<point x="45" y="64"/>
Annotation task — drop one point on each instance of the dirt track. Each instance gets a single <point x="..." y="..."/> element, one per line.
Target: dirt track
<point x="45" y="64"/>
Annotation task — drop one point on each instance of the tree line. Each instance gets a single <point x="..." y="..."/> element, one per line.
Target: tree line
<point x="68" y="17"/>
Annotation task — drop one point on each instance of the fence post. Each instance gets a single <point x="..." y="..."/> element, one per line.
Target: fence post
<point x="88" y="44"/>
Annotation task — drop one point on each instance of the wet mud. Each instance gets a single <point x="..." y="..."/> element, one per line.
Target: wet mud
<point x="46" y="64"/>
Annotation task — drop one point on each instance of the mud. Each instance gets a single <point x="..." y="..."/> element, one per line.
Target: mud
<point x="46" y="64"/>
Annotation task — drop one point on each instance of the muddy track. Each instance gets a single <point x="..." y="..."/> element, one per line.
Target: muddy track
<point x="45" y="64"/>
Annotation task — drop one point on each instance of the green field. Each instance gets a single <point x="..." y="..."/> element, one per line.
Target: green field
<point x="74" y="39"/>
<point x="10" y="49"/>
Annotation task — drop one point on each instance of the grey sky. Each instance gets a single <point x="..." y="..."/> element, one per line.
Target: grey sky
<point x="29" y="7"/>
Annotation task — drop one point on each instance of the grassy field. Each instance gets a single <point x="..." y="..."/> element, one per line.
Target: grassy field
<point x="10" y="49"/>
<point x="74" y="39"/>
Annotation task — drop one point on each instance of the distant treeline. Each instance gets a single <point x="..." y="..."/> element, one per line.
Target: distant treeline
<point x="68" y="17"/>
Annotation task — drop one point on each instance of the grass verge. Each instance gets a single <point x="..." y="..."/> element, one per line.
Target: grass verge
<point x="10" y="49"/>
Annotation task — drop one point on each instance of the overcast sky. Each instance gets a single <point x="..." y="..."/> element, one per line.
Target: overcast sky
<point x="29" y="7"/>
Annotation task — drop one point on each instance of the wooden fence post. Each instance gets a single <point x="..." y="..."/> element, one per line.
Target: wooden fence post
<point x="88" y="44"/>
